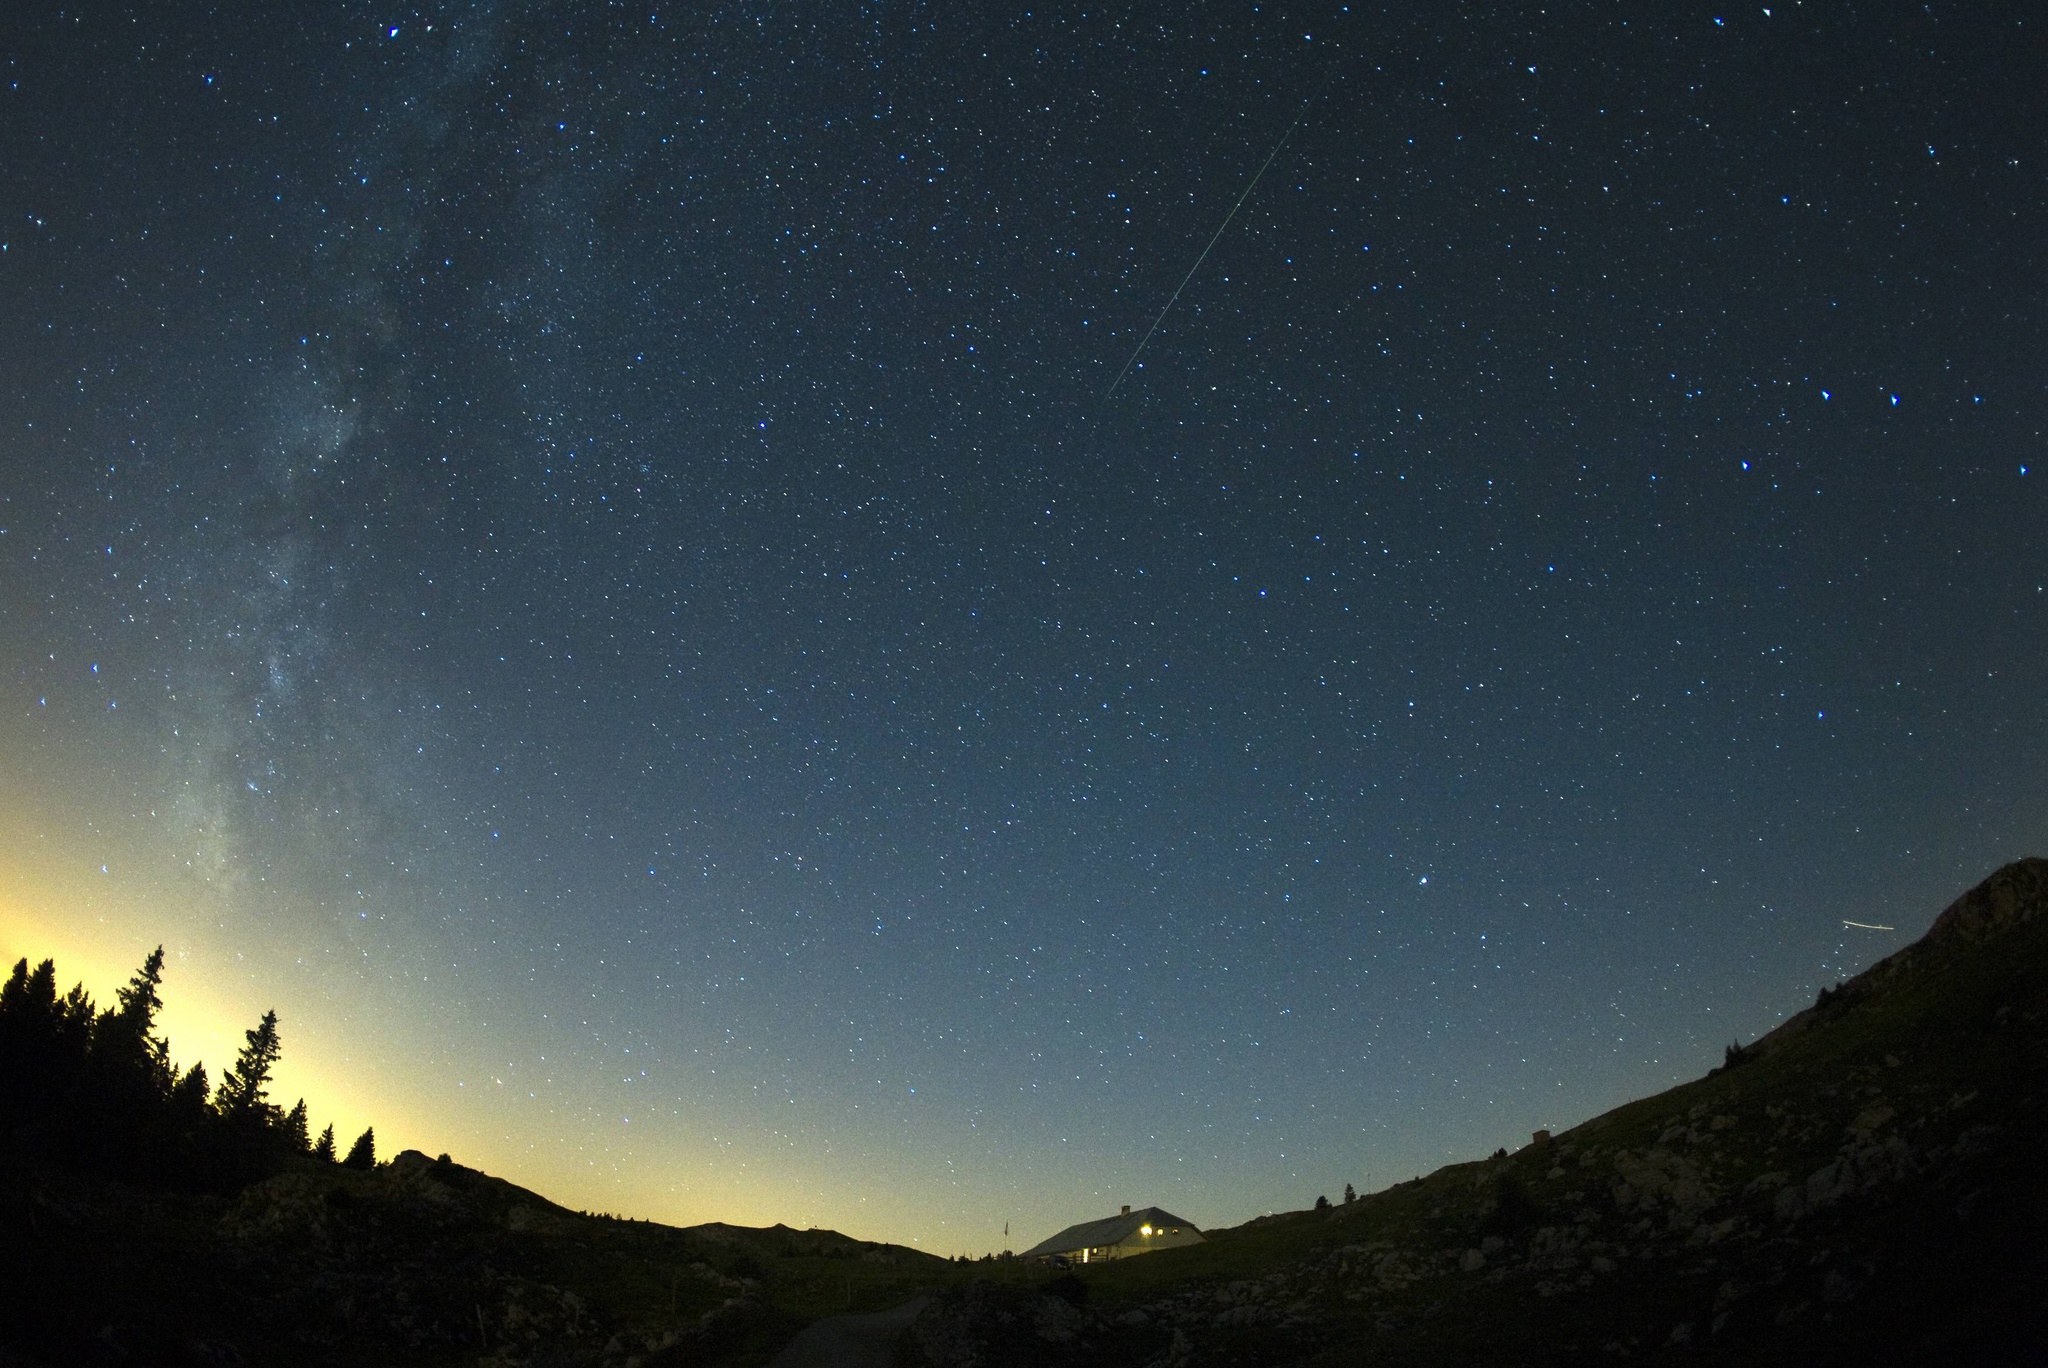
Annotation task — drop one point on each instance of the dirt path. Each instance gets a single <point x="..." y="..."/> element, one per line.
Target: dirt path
<point x="850" y="1341"/>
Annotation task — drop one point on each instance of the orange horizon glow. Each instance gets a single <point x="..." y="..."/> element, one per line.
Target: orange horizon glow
<point x="351" y="1053"/>
<point x="213" y="996"/>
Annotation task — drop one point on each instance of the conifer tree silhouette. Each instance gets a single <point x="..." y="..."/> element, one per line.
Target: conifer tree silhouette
<point x="363" y="1153"/>
<point x="74" y="1032"/>
<point x="140" y="1001"/>
<point x="31" y="996"/>
<point x="191" y="1096"/>
<point x="243" y="1092"/>
<point x="95" y="1090"/>
<point x="29" y="1019"/>
<point x="44" y="1043"/>
<point x="192" y="1128"/>
<point x="113" y="1114"/>
<point x="135" y="1046"/>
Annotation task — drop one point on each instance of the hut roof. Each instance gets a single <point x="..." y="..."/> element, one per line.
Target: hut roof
<point x="1109" y="1230"/>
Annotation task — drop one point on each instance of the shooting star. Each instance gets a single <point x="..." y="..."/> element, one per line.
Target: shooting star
<point x="1132" y="359"/>
<point x="1867" y="926"/>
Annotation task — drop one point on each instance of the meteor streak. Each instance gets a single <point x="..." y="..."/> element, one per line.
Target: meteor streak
<point x="1253" y="185"/>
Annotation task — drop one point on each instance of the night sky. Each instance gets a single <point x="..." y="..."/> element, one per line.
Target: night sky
<point x="582" y="552"/>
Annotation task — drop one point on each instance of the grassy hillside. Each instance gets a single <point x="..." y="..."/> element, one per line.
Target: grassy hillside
<point x="1862" y="1185"/>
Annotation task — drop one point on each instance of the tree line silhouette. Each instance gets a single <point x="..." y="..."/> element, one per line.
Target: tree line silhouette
<point x="95" y="1089"/>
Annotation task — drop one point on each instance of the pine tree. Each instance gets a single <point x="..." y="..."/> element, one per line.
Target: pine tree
<point x="363" y="1153"/>
<point x="323" y="1148"/>
<point x="297" y="1131"/>
<point x="19" y="999"/>
<point x="242" y="1095"/>
<point x="190" y="1094"/>
<point x="30" y="1021"/>
<point x="32" y="1014"/>
<point x="113" y="1115"/>
<point x="189" y="1117"/>
<point x="140" y="1001"/>
<point x="62" y="1037"/>
<point x="1349" y="1195"/>
<point x="125" y="1039"/>
<point x="30" y="994"/>
<point x="131" y="1065"/>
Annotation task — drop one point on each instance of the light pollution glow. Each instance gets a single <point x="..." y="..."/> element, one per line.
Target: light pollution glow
<point x="348" y="1055"/>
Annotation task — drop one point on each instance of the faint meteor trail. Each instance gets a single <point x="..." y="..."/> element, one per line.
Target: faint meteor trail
<point x="1867" y="926"/>
<point x="1254" y="184"/>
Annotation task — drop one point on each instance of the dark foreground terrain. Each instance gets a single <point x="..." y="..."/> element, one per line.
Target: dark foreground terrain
<point x="1864" y="1185"/>
<point x="419" y="1261"/>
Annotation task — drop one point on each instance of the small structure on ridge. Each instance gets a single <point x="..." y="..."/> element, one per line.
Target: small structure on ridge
<point x="1117" y="1237"/>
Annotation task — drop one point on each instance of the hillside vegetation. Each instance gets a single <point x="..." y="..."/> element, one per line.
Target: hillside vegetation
<point x="1861" y="1185"/>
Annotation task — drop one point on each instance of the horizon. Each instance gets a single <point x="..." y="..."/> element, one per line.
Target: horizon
<point x="605" y="567"/>
<point x="295" y="1083"/>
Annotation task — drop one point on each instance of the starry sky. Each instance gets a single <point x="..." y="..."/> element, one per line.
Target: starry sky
<point x="587" y="554"/>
